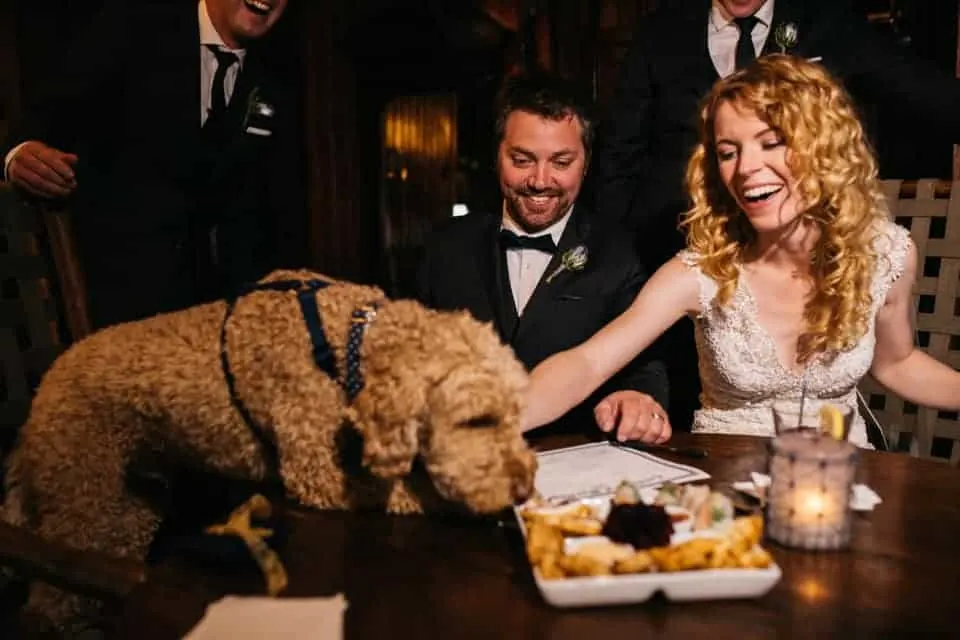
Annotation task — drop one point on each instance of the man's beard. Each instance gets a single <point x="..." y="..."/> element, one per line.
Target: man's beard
<point x="536" y="219"/>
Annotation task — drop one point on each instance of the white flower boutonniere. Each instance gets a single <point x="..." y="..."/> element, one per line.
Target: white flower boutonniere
<point x="259" y="115"/>
<point x="786" y="36"/>
<point x="574" y="259"/>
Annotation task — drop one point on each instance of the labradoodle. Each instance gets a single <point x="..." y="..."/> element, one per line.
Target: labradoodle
<point x="243" y="387"/>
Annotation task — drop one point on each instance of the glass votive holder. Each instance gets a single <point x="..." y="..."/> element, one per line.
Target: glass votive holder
<point x="793" y="415"/>
<point x="808" y="503"/>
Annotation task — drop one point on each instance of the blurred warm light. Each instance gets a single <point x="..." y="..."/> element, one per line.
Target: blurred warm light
<point x="412" y="133"/>
<point x="812" y="590"/>
<point x="460" y="209"/>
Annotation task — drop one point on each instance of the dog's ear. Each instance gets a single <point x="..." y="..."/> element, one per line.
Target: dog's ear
<point x="390" y="428"/>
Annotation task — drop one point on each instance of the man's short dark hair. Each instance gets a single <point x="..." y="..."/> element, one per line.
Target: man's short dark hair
<point x="548" y="95"/>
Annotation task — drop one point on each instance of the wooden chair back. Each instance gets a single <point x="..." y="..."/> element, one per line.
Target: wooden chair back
<point x="42" y="301"/>
<point x="930" y="209"/>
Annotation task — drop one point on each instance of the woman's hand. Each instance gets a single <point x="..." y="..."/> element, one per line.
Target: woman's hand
<point x="634" y="416"/>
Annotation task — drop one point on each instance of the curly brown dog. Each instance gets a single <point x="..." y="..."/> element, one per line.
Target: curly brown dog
<point x="438" y="387"/>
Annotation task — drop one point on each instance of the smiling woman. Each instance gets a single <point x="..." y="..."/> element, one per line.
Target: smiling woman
<point x="752" y="161"/>
<point x="797" y="280"/>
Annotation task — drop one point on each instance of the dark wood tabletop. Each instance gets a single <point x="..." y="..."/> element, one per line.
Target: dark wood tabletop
<point x="437" y="578"/>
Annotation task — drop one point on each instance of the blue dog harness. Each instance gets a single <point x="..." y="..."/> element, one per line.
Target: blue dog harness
<point x="323" y="355"/>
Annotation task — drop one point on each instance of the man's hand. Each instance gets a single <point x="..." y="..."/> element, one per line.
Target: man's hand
<point x="634" y="416"/>
<point x="42" y="170"/>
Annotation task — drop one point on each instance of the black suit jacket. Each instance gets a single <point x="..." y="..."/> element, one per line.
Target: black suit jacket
<point x="652" y="128"/>
<point x="465" y="268"/>
<point x="127" y="102"/>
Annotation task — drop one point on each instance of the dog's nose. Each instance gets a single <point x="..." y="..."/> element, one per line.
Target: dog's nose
<point x="523" y="481"/>
<point x="521" y="492"/>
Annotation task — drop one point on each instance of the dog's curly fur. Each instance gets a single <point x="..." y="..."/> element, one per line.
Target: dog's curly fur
<point x="439" y="387"/>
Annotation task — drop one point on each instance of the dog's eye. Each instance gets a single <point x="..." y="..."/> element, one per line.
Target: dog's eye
<point x="481" y="421"/>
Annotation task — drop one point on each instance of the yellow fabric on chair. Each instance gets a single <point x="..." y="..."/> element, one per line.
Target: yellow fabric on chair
<point x="240" y="524"/>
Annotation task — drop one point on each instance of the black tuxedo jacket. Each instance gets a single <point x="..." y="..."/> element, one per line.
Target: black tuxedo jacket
<point x="652" y="127"/>
<point x="465" y="268"/>
<point x="127" y="102"/>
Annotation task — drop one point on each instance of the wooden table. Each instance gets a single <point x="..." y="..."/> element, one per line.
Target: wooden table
<point x="428" y="578"/>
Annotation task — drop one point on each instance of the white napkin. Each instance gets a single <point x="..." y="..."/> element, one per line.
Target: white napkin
<point x="237" y="618"/>
<point x="862" y="497"/>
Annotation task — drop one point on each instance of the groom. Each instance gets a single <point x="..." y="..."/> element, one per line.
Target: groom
<point x="542" y="270"/>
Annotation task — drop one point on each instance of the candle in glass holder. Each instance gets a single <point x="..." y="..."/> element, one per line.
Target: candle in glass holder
<point x="808" y="504"/>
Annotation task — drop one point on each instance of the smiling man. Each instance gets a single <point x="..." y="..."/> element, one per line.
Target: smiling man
<point x="515" y="267"/>
<point x="177" y="147"/>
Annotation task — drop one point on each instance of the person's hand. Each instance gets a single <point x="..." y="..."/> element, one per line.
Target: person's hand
<point x="634" y="416"/>
<point x="43" y="171"/>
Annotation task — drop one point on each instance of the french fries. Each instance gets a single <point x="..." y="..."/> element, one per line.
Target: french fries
<point x="735" y="547"/>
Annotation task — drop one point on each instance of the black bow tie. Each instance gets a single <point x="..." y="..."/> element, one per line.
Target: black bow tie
<point x="544" y="242"/>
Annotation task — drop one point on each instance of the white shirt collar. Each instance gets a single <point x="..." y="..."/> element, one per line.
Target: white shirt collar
<point x="209" y="34"/>
<point x="555" y="230"/>
<point x="764" y="14"/>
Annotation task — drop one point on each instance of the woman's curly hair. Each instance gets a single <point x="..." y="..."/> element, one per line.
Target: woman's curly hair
<point x="836" y="174"/>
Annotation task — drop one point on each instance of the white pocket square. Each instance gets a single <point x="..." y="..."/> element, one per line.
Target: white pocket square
<point x="257" y="131"/>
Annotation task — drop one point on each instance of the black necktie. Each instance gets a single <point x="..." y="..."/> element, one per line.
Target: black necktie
<point x="544" y="242"/>
<point x="745" y="51"/>
<point x="218" y="92"/>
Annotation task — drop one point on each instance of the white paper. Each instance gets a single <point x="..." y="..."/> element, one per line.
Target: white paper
<point x="238" y="618"/>
<point x="596" y="469"/>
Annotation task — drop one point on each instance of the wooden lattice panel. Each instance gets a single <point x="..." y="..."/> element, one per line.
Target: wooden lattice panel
<point x="931" y="211"/>
<point x="30" y="336"/>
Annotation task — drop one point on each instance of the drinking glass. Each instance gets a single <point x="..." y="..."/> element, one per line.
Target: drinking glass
<point x="804" y="416"/>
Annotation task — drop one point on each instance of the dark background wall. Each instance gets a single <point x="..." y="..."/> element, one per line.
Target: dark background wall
<point x="355" y="56"/>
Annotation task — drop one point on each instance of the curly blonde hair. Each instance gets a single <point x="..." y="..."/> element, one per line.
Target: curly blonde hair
<point x="836" y="174"/>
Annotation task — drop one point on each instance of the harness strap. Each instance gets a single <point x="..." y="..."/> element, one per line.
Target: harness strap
<point x="359" y="321"/>
<point x="323" y="355"/>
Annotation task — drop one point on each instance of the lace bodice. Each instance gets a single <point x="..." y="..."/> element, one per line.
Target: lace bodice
<point x="740" y="372"/>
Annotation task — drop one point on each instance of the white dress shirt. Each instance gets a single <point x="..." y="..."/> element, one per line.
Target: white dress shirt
<point x="208" y="67"/>
<point x="526" y="266"/>
<point x="722" y="36"/>
<point x="208" y="62"/>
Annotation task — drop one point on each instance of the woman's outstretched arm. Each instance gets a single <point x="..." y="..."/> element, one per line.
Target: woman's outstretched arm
<point x="567" y="378"/>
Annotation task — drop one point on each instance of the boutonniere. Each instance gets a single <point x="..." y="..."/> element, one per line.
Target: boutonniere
<point x="786" y="36"/>
<point x="258" y="119"/>
<point x="574" y="259"/>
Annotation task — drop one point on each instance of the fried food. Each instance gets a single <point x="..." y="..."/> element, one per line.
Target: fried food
<point x="639" y="562"/>
<point x="734" y="546"/>
<point x="745" y="533"/>
<point x="756" y="558"/>
<point x="605" y="551"/>
<point x="543" y="540"/>
<point x="583" y="565"/>
<point x="579" y="520"/>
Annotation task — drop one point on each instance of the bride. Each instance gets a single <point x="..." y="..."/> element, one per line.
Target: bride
<point x="796" y="278"/>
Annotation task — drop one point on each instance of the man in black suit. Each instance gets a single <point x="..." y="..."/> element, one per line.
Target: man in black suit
<point x="541" y="270"/>
<point x="677" y="53"/>
<point x="178" y="148"/>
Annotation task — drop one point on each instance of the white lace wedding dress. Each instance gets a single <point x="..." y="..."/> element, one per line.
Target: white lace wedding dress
<point x="740" y="371"/>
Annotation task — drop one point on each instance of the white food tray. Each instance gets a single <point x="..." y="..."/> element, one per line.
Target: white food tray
<point x="680" y="586"/>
